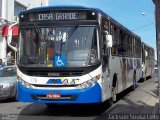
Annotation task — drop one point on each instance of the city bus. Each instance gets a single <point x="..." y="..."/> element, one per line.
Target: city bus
<point x="148" y="61"/>
<point x="74" y="55"/>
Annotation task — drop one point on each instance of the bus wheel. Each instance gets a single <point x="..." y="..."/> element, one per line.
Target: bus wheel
<point x="145" y="77"/>
<point x="113" y="90"/>
<point x="134" y="81"/>
<point x="114" y="95"/>
<point x="113" y="98"/>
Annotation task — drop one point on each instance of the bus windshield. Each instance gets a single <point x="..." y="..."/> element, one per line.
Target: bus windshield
<point x="44" y="46"/>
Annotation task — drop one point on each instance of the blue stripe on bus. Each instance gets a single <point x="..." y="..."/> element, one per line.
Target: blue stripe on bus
<point x="89" y="95"/>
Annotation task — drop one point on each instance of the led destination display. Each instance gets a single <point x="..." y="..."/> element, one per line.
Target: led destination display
<point x="58" y="15"/>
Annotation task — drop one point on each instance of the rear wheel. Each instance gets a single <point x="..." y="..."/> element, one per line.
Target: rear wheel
<point x="145" y="77"/>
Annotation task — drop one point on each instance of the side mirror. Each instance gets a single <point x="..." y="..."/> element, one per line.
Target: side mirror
<point x="9" y="37"/>
<point x="146" y="54"/>
<point x="109" y="41"/>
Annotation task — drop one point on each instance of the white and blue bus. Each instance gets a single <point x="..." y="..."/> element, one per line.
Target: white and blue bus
<point x="74" y="55"/>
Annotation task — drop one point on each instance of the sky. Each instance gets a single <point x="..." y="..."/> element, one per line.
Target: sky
<point x="126" y="12"/>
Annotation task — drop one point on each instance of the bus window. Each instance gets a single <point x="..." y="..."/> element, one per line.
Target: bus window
<point x="115" y="34"/>
<point x="105" y="51"/>
<point x="122" y="44"/>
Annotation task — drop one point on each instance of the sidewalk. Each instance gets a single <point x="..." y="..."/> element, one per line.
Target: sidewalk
<point x="139" y="104"/>
<point x="144" y="100"/>
<point x="157" y="109"/>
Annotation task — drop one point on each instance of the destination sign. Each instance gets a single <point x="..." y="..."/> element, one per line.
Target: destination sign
<point x="58" y="15"/>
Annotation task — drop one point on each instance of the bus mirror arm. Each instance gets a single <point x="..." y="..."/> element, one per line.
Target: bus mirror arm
<point x="9" y="37"/>
<point x="109" y="40"/>
<point x="146" y="53"/>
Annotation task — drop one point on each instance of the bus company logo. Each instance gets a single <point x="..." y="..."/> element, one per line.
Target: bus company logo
<point x="63" y="81"/>
<point x="54" y="81"/>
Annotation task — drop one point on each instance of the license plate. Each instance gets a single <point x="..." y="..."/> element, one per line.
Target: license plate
<point x="53" y="96"/>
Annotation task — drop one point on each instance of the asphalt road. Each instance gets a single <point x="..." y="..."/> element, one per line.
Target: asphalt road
<point x="141" y="101"/>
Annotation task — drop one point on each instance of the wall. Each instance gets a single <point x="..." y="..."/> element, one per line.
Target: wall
<point x="7" y="12"/>
<point x="7" y="6"/>
<point x="36" y="3"/>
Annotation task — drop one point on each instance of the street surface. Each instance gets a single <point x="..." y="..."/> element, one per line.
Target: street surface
<point x="144" y="100"/>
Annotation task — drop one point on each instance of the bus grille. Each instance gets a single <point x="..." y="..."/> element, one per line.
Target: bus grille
<point x="54" y="85"/>
<point x="55" y="74"/>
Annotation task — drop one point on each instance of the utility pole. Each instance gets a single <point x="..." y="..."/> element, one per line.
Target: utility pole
<point x="157" y="18"/>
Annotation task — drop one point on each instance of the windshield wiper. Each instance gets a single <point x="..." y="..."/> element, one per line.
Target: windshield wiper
<point x="72" y="30"/>
<point x="70" y="33"/>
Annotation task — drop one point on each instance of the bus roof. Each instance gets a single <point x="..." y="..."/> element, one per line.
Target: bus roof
<point x="61" y="7"/>
<point x="143" y="43"/>
<point x="83" y="8"/>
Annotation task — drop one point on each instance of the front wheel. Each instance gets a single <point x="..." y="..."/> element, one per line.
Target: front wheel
<point x="113" y="98"/>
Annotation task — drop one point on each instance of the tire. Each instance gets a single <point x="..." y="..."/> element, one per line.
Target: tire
<point x="114" y="95"/>
<point x="113" y="91"/>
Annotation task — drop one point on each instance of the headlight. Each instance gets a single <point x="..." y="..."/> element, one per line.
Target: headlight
<point x="24" y="83"/>
<point x="89" y="83"/>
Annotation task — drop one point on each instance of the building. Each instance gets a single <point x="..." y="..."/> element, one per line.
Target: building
<point x="9" y="10"/>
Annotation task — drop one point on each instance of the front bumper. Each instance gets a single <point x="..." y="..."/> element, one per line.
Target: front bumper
<point x="88" y="95"/>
